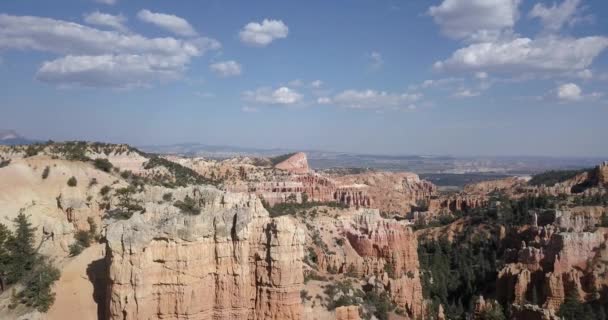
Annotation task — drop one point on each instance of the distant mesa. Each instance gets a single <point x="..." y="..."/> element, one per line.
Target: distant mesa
<point x="11" y="137"/>
<point x="293" y="163"/>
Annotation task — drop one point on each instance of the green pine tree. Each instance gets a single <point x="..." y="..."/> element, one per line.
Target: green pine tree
<point x="21" y="249"/>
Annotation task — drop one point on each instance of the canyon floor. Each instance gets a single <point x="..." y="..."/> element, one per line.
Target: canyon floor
<point x="137" y="235"/>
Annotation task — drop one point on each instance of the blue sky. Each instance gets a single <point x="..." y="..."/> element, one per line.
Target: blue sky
<point x="461" y="77"/>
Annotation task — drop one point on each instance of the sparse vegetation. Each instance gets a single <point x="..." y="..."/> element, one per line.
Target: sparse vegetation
<point x="4" y="162"/>
<point x="105" y="190"/>
<point x="33" y="150"/>
<point x="84" y="238"/>
<point x="292" y="207"/>
<point x="46" y="172"/>
<point x="188" y="206"/>
<point x="553" y="177"/>
<point x="127" y="205"/>
<point x="181" y="176"/>
<point x="278" y="159"/>
<point x="72" y="182"/>
<point x="103" y="164"/>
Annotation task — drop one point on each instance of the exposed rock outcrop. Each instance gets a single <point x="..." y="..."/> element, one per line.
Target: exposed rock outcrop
<point x="392" y="192"/>
<point x="347" y="313"/>
<point x="297" y="163"/>
<point x="229" y="262"/>
<point x="390" y="245"/>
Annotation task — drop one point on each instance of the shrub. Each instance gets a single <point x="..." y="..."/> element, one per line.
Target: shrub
<point x="46" y="172"/>
<point x="72" y="182"/>
<point x="188" y="206"/>
<point x="75" y="249"/>
<point x="167" y="196"/>
<point x="37" y="287"/>
<point x="103" y="164"/>
<point x="105" y="190"/>
<point x="4" y="162"/>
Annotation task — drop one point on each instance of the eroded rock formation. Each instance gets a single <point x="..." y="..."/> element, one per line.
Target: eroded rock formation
<point x="297" y="163"/>
<point x="231" y="261"/>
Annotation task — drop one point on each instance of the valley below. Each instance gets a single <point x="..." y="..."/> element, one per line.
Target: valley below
<point x="107" y="231"/>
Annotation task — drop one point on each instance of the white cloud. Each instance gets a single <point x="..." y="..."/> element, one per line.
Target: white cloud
<point x="551" y="54"/>
<point x="316" y="84"/>
<point x="466" y="93"/>
<point x="280" y="96"/>
<point x="569" y="92"/>
<point x="481" y="75"/>
<point x="117" y="59"/>
<point x="372" y="99"/>
<point x="262" y="34"/>
<point x="108" y="2"/>
<point x="107" y="20"/>
<point x="376" y="60"/>
<point x="249" y="109"/>
<point x="585" y="74"/>
<point x="324" y="100"/>
<point x="226" y="68"/>
<point x="123" y="71"/>
<point x="553" y="18"/>
<point x="168" y="22"/>
<point x="475" y="20"/>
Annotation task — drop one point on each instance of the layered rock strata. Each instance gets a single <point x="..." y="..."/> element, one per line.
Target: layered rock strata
<point x="231" y="261"/>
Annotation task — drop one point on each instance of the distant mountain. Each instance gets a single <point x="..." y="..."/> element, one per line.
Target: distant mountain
<point x="421" y="164"/>
<point x="11" y="138"/>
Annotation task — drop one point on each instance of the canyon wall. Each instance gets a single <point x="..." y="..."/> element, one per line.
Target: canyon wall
<point x="231" y="261"/>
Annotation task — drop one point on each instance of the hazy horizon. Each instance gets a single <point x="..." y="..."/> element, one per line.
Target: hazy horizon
<point x="444" y="77"/>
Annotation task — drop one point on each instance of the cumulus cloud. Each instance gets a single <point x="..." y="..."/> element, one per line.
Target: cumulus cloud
<point x="280" y="96"/>
<point x="475" y="20"/>
<point x="552" y="54"/>
<point x="569" y="92"/>
<point x="372" y="99"/>
<point x="117" y="59"/>
<point x="109" y="70"/>
<point x="226" y="68"/>
<point x="107" y="20"/>
<point x="169" y="22"/>
<point x="553" y="18"/>
<point x="262" y="34"/>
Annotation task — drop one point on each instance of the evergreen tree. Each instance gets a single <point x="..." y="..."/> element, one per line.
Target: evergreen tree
<point x="535" y="295"/>
<point x="601" y="313"/>
<point x="574" y="309"/>
<point x="21" y="249"/>
<point x="37" y="286"/>
<point x="5" y="258"/>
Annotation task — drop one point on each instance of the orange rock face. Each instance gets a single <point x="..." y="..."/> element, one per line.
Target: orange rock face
<point x="458" y="202"/>
<point x="392" y="191"/>
<point x="566" y="261"/>
<point x="229" y="262"/>
<point x="381" y="242"/>
<point x="347" y="313"/>
<point x="297" y="163"/>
